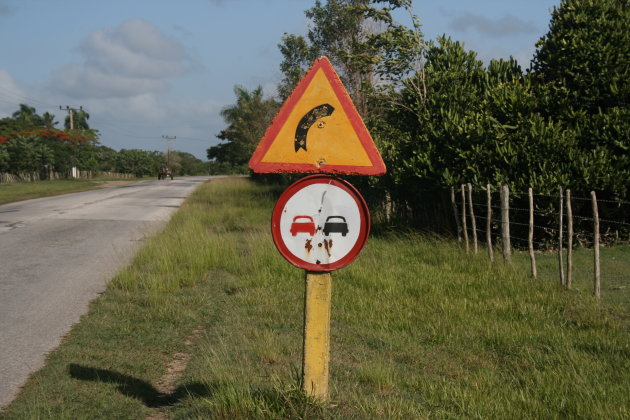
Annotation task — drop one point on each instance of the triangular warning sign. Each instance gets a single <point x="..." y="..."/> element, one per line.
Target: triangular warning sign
<point x="318" y="129"/>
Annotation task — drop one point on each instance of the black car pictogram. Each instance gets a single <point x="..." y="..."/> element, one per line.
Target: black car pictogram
<point x="336" y="224"/>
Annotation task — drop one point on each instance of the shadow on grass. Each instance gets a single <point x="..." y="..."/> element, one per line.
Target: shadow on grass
<point x="137" y="388"/>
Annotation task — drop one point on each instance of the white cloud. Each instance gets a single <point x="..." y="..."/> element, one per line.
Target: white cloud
<point x="140" y="121"/>
<point x="83" y="81"/>
<point x="10" y="94"/>
<point x="131" y="59"/>
<point x="123" y="83"/>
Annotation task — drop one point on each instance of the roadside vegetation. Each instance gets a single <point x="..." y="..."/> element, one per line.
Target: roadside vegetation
<point x="442" y="117"/>
<point x="19" y="191"/>
<point x="31" y="144"/>
<point x="207" y="323"/>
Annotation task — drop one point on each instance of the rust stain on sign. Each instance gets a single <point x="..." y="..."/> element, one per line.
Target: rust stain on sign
<point x="328" y="246"/>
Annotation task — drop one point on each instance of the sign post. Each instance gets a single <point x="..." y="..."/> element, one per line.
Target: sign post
<point x="320" y="223"/>
<point x="316" y="355"/>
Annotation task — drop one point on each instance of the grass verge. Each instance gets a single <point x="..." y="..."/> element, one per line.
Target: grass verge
<point x="615" y="271"/>
<point x="419" y="330"/>
<point x="18" y="191"/>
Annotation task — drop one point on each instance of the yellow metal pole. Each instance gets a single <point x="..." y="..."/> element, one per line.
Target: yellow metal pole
<point x="316" y="335"/>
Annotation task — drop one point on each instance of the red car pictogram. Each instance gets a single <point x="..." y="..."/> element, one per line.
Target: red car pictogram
<point x="303" y="224"/>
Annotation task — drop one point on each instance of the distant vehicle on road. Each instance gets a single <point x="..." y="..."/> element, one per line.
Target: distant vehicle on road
<point x="336" y="224"/>
<point x="164" y="171"/>
<point x="304" y="224"/>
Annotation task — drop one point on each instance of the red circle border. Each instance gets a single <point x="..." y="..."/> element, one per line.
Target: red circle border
<point x="290" y="192"/>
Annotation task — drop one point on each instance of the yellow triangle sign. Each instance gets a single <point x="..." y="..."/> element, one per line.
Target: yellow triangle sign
<point x="318" y="129"/>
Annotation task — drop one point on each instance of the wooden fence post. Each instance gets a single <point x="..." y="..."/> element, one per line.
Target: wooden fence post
<point x="455" y="212"/>
<point x="530" y="239"/>
<point x="597" y="279"/>
<point x="489" y="224"/>
<point x="472" y="218"/>
<point x="560" y="239"/>
<point x="505" y="224"/>
<point x="464" y="227"/>
<point x="388" y="207"/>
<point x="569" y="240"/>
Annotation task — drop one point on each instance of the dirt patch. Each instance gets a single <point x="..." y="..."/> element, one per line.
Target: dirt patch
<point x="166" y="384"/>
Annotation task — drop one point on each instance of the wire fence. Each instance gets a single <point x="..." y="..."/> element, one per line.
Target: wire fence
<point x="579" y="241"/>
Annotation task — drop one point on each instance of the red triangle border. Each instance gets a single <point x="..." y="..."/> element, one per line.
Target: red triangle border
<point x="378" y="166"/>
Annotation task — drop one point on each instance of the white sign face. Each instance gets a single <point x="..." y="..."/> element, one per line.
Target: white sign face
<point x="320" y="224"/>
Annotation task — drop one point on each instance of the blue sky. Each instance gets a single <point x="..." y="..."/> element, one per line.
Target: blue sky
<point x="147" y="68"/>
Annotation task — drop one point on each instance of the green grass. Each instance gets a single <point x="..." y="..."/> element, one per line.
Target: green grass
<point x="419" y="330"/>
<point x="614" y="272"/>
<point x="19" y="191"/>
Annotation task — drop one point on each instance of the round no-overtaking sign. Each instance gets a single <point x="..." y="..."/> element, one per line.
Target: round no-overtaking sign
<point x="320" y="223"/>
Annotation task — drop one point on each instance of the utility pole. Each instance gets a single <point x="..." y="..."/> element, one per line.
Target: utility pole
<point x="71" y="112"/>
<point x="168" y="149"/>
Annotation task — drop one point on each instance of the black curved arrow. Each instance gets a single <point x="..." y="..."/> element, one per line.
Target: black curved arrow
<point x="307" y="121"/>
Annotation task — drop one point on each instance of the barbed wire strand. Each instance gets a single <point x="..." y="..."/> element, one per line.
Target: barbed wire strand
<point x="518" y="194"/>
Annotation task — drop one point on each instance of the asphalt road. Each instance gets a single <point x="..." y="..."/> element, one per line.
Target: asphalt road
<point x="57" y="254"/>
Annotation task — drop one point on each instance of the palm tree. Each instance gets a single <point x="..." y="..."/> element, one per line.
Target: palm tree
<point x="25" y="112"/>
<point x="48" y="120"/>
<point x="27" y="117"/>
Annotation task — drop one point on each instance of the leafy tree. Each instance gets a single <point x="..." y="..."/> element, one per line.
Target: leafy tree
<point x="362" y="40"/>
<point x="451" y="120"/>
<point x="27" y="116"/>
<point x="9" y="127"/>
<point x="219" y="168"/>
<point x="298" y="55"/>
<point x="441" y="127"/>
<point x="247" y="121"/>
<point x="29" y="143"/>
<point x="106" y="158"/>
<point x="138" y="162"/>
<point x="371" y="52"/>
<point x="583" y="59"/>
<point x="583" y="79"/>
<point x="28" y="135"/>
<point x="476" y="124"/>
<point x="48" y="120"/>
<point x="24" y="119"/>
<point x="4" y="158"/>
<point x="28" y="154"/>
<point x="190" y="164"/>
